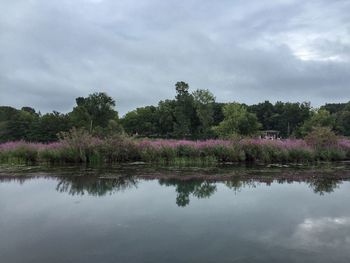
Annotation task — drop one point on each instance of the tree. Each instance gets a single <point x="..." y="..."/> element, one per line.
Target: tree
<point x="7" y="114"/>
<point x="218" y="114"/>
<point x="284" y="117"/>
<point x="237" y="121"/>
<point x="94" y="111"/>
<point x="166" y="117"/>
<point x="48" y="126"/>
<point x="185" y="114"/>
<point x="334" y="107"/>
<point x="203" y="102"/>
<point x="264" y="112"/>
<point x="29" y="109"/>
<point x="143" y="121"/>
<point x="319" y="118"/>
<point x="289" y="116"/>
<point x="19" y="126"/>
<point x="342" y="119"/>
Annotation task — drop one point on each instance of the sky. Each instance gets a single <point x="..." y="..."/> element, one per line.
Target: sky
<point x="136" y="50"/>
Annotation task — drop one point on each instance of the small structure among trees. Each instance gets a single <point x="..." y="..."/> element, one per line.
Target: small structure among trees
<point x="270" y="135"/>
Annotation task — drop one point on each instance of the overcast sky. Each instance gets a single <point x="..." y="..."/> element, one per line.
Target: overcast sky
<point x="135" y="50"/>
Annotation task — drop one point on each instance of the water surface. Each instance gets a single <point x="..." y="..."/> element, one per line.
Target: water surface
<point x="100" y="217"/>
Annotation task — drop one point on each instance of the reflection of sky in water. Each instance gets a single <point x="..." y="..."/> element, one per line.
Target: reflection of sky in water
<point x="144" y="223"/>
<point x="333" y="232"/>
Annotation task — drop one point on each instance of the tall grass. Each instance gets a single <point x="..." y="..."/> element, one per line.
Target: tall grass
<point x="83" y="148"/>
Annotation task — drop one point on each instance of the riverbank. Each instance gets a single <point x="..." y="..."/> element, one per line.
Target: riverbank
<point x="126" y="150"/>
<point x="252" y="172"/>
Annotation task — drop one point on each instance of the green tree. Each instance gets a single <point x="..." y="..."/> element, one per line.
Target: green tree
<point x="289" y="116"/>
<point x="28" y="109"/>
<point x="47" y="127"/>
<point x="185" y="113"/>
<point x="6" y="115"/>
<point x="343" y="120"/>
<point x="94" y="111"/>
<point x="203" y="102"/>
<point x="218" y="113"/>
<point x="334" y="107"/>
<point x="142" y="121"/>
<point x="264" y="112"/>
<point x="166" y="117"/>
<point x="20" y="125"/>
<point x="237" y="121"/>
<point x="319" y="118"/>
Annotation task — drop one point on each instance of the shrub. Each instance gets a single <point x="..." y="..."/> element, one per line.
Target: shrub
<point x="330" y="154"/>
<point x="78" y="145"/>
<point x="119" y="149"/>
<point x="25" y="153"/>
<point x="300" y="155"/>
<point x="344" y="144"/>
<point x="50" y="155"/>
<point x="321" y="137"/>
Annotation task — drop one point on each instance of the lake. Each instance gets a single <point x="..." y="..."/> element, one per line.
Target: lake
<point x="147" y="214"/>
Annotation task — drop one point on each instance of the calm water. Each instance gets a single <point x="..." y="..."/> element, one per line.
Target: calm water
<point x="89" y="217"/>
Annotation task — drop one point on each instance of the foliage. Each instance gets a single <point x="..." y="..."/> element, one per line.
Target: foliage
<point x="203" y="102"/>
<point x="80" y="144"/>
<point x="284" y="117"/>
<point x="166" y="117"/>
<point x="342" y="120"/>
<point x="320" y="118"/>
<point x="119" y="149"/>
<point x="322" y="137"/>
<point x="185" y="112"/>
<point x="48" y="126"/>
<point x="142" y="121"/>
<point x="237" y="121"/>
<point x="192" y="115"/>
<point x="94" y="111"/>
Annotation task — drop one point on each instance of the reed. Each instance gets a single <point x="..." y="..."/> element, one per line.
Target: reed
<point x="87" y="149"/>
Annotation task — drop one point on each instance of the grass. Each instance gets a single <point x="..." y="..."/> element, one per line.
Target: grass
<point x="121" y="150"/>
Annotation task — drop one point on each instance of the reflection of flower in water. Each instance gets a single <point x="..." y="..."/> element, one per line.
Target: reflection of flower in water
<point x="322" y="232"/>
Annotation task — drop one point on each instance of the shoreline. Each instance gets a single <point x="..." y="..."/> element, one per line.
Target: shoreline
<point x="218" y="173"/>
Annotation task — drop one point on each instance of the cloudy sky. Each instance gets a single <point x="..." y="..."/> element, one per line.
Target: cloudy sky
<point x="135" y="50"/>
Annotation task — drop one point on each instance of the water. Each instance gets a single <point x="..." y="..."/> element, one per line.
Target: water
<point x="91" y="216"/>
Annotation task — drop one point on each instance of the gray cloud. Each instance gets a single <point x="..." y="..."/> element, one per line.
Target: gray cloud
<point x="54" y="51"/>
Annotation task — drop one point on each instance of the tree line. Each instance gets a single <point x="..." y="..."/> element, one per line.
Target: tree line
<point x="191" y="115"/>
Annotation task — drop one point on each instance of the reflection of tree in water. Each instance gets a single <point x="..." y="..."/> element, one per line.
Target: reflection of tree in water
<point x="199" y="189"/>
<point x="92" y="185"/>
<point x="320" y="185"/>
<point x="324" y="185"/>
<point x="236" y="184"/>
<point x="99" y="186"/>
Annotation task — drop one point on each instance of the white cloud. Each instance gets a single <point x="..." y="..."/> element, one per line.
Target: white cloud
<point x="331" y="232"/>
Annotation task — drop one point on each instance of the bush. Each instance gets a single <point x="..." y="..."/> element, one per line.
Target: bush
<point x="50" y="155"/>
<point x="321" y="137"/>
<point x="330" y="154"/>
<point x="253" y="152"/>
<point x="79" y="145"/>
<point x="24" y="153"/>
<point x="300" y="155"/>
<point x="119" y="149"/>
